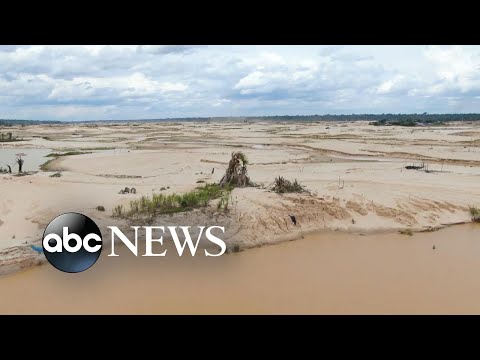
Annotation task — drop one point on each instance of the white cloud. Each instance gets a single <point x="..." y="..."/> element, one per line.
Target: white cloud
<point x="134" y="85"/>
<point x="390" y="85"/>
<point x="121" y="81"/>
<point x="456" y="69"/>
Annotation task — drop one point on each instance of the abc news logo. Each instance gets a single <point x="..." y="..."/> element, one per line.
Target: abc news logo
<point x="72" y="242"/>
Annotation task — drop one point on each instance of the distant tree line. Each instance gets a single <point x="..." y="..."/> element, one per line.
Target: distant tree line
<point x="11" y="122"/>
<point x="384" y="118"/>
<point x="377" y="119"/>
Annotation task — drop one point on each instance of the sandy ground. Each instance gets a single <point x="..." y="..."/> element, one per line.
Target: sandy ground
<point x="355" y="173"/>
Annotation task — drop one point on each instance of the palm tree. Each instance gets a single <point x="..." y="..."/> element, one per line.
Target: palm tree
<point x="236" y="173"/>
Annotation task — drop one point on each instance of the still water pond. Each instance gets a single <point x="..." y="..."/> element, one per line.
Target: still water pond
<point x="33" y="159"/>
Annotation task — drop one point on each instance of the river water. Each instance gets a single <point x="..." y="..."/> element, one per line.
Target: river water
<point x="324" y="273"/>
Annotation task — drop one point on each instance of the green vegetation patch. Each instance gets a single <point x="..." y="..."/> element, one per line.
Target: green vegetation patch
<point x="282" y="185"/>
<point x="8" y="137"/>
<point x="68" y="153"/>
<point x="474" y="213"/>
<point x="173" y="203"/>
<point x="44" y="166"/>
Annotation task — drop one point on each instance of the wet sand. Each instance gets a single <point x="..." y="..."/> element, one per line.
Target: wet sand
<point x="324" y="273"/>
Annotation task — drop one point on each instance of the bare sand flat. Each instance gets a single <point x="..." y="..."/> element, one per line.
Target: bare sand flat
<point x="355" y="173"/>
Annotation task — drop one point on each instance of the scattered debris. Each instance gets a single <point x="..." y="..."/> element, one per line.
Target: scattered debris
<point x="128" y="190"/>
<point x="25" y="173"/>
<point x="37" y="248"/>
<point x="294" y="219"/>
<point x="415" y="167"/>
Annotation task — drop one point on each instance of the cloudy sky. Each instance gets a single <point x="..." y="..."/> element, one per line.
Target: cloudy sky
<point x="138" y="82"/>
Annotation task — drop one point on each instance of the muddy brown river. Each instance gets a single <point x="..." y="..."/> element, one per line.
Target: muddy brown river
<point x="324" y="273"/>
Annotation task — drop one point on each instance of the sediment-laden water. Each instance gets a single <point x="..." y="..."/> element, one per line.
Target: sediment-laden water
<point x="324" y="273"/>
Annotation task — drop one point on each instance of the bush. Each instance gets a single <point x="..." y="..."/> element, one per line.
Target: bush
<point x="408" y="232"/>
<point x="8" y="137"/>
<point x="474" y="213"/>
<point x="283" y="185"/>
<point x="117" y="211"/>
<point x="224" y="202"/>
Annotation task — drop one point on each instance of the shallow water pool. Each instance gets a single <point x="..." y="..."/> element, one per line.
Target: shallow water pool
<point x="33" y="159"/>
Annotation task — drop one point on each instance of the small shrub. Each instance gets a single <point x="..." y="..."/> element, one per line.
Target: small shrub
<point x="117" y="211"/>
<point x="408" y="232"/>
<point x="474" y="213"/>
<point x="57" y="174"/>
<point x="100" y="208"/>
<point x="283" y="185"/>
<point x="134" y="207"/>
<point x="8" y="137"/>
<point x="224" y="201"/>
